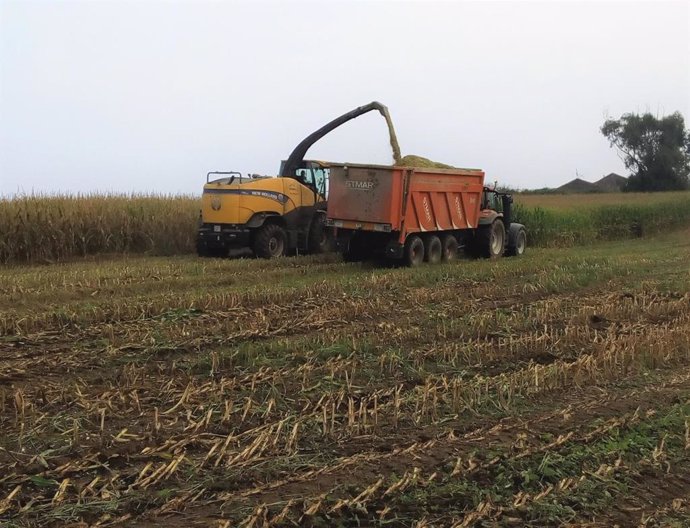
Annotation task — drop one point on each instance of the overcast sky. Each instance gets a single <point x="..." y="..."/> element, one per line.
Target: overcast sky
<point x="149" y="96"/>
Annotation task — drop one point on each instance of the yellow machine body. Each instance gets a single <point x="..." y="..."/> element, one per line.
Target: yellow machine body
<point x="235" y="209"/>
<point x="237" y="203"/>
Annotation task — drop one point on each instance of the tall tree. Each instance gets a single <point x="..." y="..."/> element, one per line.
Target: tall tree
<point x="655" y="150"/>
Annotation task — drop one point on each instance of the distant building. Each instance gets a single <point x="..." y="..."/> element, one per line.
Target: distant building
<point x="610" y="183"/>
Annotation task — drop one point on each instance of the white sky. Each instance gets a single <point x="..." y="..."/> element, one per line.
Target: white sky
<point x="149" y="96"/>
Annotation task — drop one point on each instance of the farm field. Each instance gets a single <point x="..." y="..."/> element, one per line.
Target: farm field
<point x="547" y="390"/>
<point x="574" y="201"/>
<point x="566" y="220"/>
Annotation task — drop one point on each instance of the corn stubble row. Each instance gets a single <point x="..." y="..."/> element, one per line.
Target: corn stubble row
<point x="237" y="417"/>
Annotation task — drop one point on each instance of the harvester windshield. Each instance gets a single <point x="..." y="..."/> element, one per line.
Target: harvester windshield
<point x="314" y="177"/>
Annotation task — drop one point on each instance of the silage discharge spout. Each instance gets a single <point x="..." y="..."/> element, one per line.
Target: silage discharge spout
<point x="297" y="156"/>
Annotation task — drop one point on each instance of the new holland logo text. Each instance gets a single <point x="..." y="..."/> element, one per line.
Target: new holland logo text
<point x="359" y="185"/>
<point x="271" y="195"/>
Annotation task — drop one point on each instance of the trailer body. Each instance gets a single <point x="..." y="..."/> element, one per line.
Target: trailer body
<point x="380" y="207"/>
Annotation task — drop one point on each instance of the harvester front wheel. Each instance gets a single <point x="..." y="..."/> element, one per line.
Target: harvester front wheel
<point x="433" y="250"/>
<point x="414" y="251"/>
<point x="450" y="248"/>
<point x="491" y="239"/>
<point x="270" y="241"/>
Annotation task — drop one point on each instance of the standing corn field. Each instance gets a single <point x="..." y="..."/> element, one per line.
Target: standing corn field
<point x="37" y="228"/>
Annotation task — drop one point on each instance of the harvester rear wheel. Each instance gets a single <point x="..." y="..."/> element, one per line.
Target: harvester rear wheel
<point x="491" y="239"/>
<point x="270" y="241"/>
<point x="450" y="248"/>
<point x="414" y="251"/>
<point x="433" y="250"/>
<point x="319" y="238"/>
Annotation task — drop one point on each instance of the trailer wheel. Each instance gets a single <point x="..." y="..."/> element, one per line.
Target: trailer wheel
<point x="414" y="251"/>
<point x="270" y="241"/>
<point x="450" y="248"/>
<point x="491" y="239"/>
<point x="433" y="251"/>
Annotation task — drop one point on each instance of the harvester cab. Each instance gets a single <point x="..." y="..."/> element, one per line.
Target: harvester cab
<point x="274" y="216"/>
<point x="313" y="174"/>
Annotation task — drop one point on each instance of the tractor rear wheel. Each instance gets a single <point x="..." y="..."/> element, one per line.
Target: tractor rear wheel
<point x="414" y="251"/>
<point x="433" y="251"/>
<point x="491" y="239"/>
<point x="450" y="248"/>
<point x="270" y="241"/>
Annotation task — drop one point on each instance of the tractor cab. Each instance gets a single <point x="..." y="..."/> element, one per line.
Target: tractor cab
<point x="497" y="201"/>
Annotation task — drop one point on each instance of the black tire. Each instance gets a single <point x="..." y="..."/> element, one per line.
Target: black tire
<point x="414" y="251"/>
<point x="319" y="239"/>
<point x="270" y="241"/>
<point x="449" y="248"/>
<point x="433" y="250"/>
<point x="491" y="240"/>
<point x="519" y="245"/>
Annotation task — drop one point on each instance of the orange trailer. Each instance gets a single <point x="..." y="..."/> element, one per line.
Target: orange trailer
<point x="419" y="214"/>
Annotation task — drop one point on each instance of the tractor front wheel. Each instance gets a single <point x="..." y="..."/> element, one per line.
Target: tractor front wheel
<point x="517" y="246"/>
